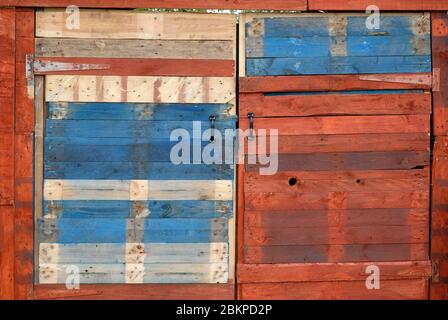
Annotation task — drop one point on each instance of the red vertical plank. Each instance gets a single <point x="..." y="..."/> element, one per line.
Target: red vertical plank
<point x="6" y="253"/>
<point x="440" y="65"/>
<point x="7" y="74"/>
<point x="439" y="241"/>
<point x="23" y="173"/>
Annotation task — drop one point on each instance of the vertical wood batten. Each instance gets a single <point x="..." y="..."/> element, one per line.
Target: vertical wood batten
<point x="24" y="134"/>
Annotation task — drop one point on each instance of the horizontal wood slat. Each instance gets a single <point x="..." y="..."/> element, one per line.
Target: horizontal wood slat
<point x="335" y="83"/>
<point x="335" y="104"/>
<point x="116" y="24"/>
<point x="397" y="5"/>
<point x="139" y="89"/>
<point x="137" y="292"/>
<point x="135" y="67"/>
<point x="163" y="4"/>
<point x="320" y="272"/>
<point x="332" y="290"/>
<point x="125" y="48"/>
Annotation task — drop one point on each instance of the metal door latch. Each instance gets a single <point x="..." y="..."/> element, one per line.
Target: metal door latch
<point x="250" y="115"/>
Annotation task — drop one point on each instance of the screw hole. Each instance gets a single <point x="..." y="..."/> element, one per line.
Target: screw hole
<point x="212" y="139"/>
<point x="358" y="181"/>
<point x="292" y="182"/>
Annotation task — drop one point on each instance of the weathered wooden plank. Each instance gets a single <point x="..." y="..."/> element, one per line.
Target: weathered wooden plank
<point x="440" y="96"/>
<point x="264" y="273"/>
<point x="7" y="91"/>
<point x="316" y="201"/>
<point x="321" y="235"/>
<point x="140" y="111"/>
<point x="346" y="181"/>
<point x="140" y="153"/>
<point x="148" y="273"/>
<point x="102" y="230"/>
<point x="348" y="253"/>
<point x="138" y="190"/>
<point x="334" y="104"/>
<point x="337" y="65"/>
<point x="176" y="4"/>
<point x="150" y="253"/>
<point x="137" y="171"/>
<point x="139" y="89"/>
<point x="138" y="292"/>
<point x="160" y="130"/>
<point x="439" y="243"/>
<point x="349" y="143"/>
<point x="335" y="83"/>
<point x="347" y="161"/>
<point x="342" y="125"/>
<point x="133" y="209"/>
<point x="135" y="67"/>
<point x="124" y="48"/>
<point x="409" y="5"/>
<point x="116" y="24"/>
<point x="337" y="290"/>
<point x="7" y="258"/>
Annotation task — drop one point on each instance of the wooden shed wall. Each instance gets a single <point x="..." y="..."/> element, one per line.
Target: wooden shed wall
<point x="17" y="134"/>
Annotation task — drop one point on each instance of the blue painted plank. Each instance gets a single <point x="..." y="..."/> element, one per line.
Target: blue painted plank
<point x="128" y="209"/>
<point x="126" y="129"/>
<point x="319" y="26"/>
<point x="125" y="230"/>
<point x="337" y="65"/>
<point x="320" y="46"/>
<point x="137" y="111"/>
<point x="137" y="171"/>
<point x="61" y="150"/>
<point x="294" y="27"/>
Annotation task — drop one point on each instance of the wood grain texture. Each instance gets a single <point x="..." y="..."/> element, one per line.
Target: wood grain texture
<point x="116" y="24"/>
<point x="335" y="83"/>
<point x="347" y="253"/>
<point x="7" y="91"/>
<point x="334" y="104"/>
<point x="321" y="272"/>
<point x="439" y="247"/>
<point x="408" y="5"/>
<point x="184" y="4"/>
<point x="7" y="258"/>
<point x="440" y="96"/>
<point x="342" y="125"/>
<point x="23" y="169"/>
<point x="137" y="67"/>
<point x="331" y="290"/>
<point x="141" y="49"/>
<point x="137" y="292"/>
<point x="349" y="143"/>
<point x="139" y="89"/>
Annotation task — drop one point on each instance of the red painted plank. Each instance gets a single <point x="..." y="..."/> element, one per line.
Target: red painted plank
<point x="310" y="272"/>
<point x="24" y="117"/>
<point x="342" y="125"/>
<point x="6" y="252"/>
<point x="335" y="83"/>
<point x="349" y="143"/>
<point x="141" y="67"/>
<point x="440" y="65"/>
<point x="7" y="80"/>
<point x="319" y="201"/>
<point x="384" y="5"/>
<point x="137" y="292"/>
<point x="344" y="290"/>
<point x="439" y="241"/>
<point x="349" y="253"/>
<point x="186" y="4"/>
<point x="334" y="104"/>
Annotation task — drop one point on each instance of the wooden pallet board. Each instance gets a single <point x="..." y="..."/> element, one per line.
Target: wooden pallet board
<point x="316" y="44"/>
